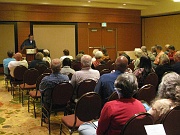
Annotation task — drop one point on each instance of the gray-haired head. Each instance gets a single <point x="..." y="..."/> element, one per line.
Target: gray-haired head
<point x="86" y="61"/>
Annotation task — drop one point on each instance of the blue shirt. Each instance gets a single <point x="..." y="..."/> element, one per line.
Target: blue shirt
<point x="105" y="85"/>
<point x="5" y="65"/>
<point x="49" y="82"/>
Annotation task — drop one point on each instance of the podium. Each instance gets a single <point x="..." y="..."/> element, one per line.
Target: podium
<point x="30" y="53"/>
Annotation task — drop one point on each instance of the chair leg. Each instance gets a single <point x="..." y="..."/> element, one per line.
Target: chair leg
<point x="34" y="104"/>
<point x="28" y="102"/>
<point x="22" y="98"/>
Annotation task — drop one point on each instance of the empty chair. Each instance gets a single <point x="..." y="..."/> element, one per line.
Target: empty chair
<point x="87" y="108"/>
<point x="29" y="82"/>
<point x="152" y="79"/>
<point x="35" y="95"/>
<point x="60" y="96"/>
<point x="85" y="86"/>
<point x="146" y="93"/>
<point x="171" y="121"/>
<point x="135" y="125"/>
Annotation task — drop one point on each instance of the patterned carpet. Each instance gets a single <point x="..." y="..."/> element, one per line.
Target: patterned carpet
<point x="15" y="119"/>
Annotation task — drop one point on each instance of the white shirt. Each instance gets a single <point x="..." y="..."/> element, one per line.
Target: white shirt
<point x="13" y="64"/>
<point x="63" y="57"/>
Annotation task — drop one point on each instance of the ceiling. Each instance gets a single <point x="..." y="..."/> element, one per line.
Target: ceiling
<point x="147" y="7"/>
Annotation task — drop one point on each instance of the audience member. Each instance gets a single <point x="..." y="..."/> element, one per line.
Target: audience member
<point x="116" y="113"/>
<point x="138" y="53"/>
<point x="159" y="53"/>
<point x="144" y="69"/>
<point x="105" y="55"/>
<point x="166" y="49"/>
<point x="37" y="61"/>
<point x="49" y="82"/>
<point x="105" y="85"/>
<point x="168" y="96"/>
<point x="86" y="72"/>
<point x="6" y="61"/>
<point x="164" y="66"/>
<point x="66" y="67"/>
<point x="66" y="55"/>
<point x="94" y="52"/>
<point x="152" y="55"/>
<point x="46" y="56"/>
<point x="76" y="64"/>
<point x="13" y="64"/>
<point x="144" y="49"/>
<point x="171" y="54"/>
<point x="81" y="52"/>
<point x="176" y="66"/>
<point x="99" y="59"/>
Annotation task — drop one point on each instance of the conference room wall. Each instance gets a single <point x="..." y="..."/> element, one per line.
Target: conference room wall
<point x="161" y="30"/>
<point x="24" y="14"/>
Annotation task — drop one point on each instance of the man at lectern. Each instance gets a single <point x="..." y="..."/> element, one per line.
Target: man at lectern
<point x="29" y="43"/>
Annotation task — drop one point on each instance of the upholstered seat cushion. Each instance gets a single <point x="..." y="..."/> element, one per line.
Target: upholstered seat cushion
<point x="69" y="121"/>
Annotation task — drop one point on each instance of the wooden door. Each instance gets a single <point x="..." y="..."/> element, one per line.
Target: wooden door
<point x="103" y="38"/>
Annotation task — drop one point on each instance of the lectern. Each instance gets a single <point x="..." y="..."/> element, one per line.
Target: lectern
<point x="30" y="53"/>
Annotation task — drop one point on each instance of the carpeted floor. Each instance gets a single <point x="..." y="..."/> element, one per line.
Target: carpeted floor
<point x="15" y="119"/>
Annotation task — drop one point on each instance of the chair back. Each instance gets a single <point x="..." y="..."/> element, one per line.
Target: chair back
<point x="100" y="67"/>
<point x="48" y="70"/>
<point x="62" y="93"/>
<point x="38" y="81"/>
<point x="41" y="68"/>
<point x="19" y="72"/>
<point x="112" y="66"/>
<point x="171" y="121"/>
<point x="30" y="76"/>
<point x="135" y="125"/>
<point x="85" y="86"/>
<point x="88" y="107"/>
<point x="104" y="71"/>
<point x="146" y="93"/>
<point x="152" y="79"/>
<point x="70" y="76"/>
<point x="113" y="96"/>
<point x="131" y="66"/>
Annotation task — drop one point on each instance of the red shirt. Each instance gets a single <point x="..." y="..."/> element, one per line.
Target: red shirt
<point x="116" y="113"/>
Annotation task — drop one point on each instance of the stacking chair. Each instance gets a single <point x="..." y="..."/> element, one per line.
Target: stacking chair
<point x="104" y="71"/>
<point x="87" y="108"/>
<point x="48" y="70"/>
<point x="17" y="79"/>
<point x="171" y="121"/>
<point x="146" y="93"/>
<point x="112" y="66"/>
<point x="35" y="95"/>
<point x="152" y="79"/>
<point x="29" y="82"/>
<point x="100" y="67"/>
<point x="41" y="68"/>
<point x="131" y="66"/>
<point x="85" y="86"/>
<point x="135" y="125"/>
<point x="113" y="96"/>
<point x="60" y="96"/>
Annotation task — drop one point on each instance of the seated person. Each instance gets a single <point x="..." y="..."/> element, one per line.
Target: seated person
<point x="99" y="60"/>
<point x="46" y="56"/>
<point x="76" y="64"/>
<point x="143" y="70"/>
<point x="86" y="72"/>
<point x="176" y="65"/>
<point x="49" y="82"/>
<point x="38" y="60"/>
<point x="105" y="55"/>
<point x="116" y="113"/>
<point x="6" y="61"/>
<point x="13" y="64"/>
<point x="66" y="69"/>
<point x="66" y="55"/>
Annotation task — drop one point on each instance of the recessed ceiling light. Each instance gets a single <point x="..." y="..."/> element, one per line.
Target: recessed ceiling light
<point x="124" y="4"/>
<point x="89" y="1"/>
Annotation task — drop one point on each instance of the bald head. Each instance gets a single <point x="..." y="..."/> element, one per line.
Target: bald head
<point x="121" y="63"/>
<point x="18" y="56"/>
<point x="56" y="65"/>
